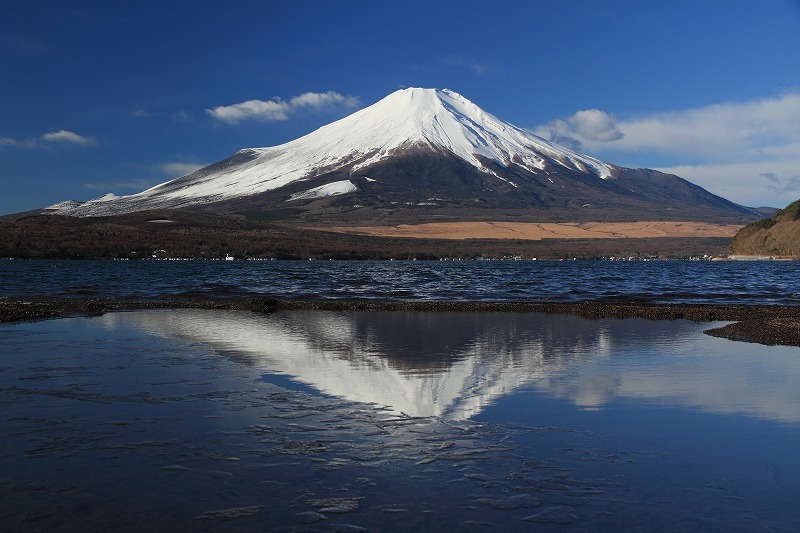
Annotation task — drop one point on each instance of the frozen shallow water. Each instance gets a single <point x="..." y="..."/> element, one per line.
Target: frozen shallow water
<point x="209" y="420"/>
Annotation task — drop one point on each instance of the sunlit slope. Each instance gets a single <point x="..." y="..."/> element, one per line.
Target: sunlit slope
<point x="778" y="235"/>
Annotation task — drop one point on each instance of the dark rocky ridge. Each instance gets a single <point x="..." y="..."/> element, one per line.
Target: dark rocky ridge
<point x="763" y="324"/>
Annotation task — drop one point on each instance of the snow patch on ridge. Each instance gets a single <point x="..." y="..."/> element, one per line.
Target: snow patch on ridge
<point x="331" y="189"/>
<point x="62" y="206"/>
<point x="105" y="198"/>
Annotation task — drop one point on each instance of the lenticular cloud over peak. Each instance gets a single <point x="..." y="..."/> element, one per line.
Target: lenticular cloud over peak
<point x="278" y="109"/>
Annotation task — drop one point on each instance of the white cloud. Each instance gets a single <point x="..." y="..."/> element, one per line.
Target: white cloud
<point x="596" y="125"/>
<point x="63" y="137"/>
<point x="767" y="183"/>
<point x="269" y="111"/>
<point x="741" y="130"/>
<point x="727" y="148"/>
<point x="278" y="109"/>
<point x="68" y="137"/>
<point x="590" y="125"/>
<point x="322" y="100"/>
<point x="746" y="128"/>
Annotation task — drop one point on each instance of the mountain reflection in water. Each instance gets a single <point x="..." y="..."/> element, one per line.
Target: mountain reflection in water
<point x="454" y="365"/>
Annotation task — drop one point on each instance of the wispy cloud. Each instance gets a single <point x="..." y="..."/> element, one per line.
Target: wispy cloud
<point x="158" y="173"/>
<point x="747" y="151"/>
<point x="60" y="137"/>
<point x="179" y="168"/>
<point x="123" y="185"/>
<point x="278" y="109"/>
<point x="763" y="183"/>
<point x="467" y="62"/>
<point x="180" y="115"/>
<point x="7" y="141"/>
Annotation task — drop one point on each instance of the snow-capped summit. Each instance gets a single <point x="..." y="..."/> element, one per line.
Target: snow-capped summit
<point x="446" y="120"/>
<point x="415" y="147"/>
<point x="432" y="118"/>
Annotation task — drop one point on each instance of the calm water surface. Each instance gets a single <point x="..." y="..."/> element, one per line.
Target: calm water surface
<point x="775" y="282"/>
<point x="320" y="421"/>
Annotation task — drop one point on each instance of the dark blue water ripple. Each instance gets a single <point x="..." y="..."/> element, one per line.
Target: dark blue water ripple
<point x="765" y="282"/>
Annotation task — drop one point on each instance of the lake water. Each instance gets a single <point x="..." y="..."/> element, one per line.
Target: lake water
<point x="770" y="282"/>
<point x="396" y="421"/>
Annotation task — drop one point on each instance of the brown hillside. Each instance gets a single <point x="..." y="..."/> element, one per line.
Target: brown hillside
<point x="777" y="236"/>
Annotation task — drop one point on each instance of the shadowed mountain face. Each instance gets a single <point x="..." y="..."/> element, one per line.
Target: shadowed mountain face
<point x="425" y="185"/>
<point x="421" y="155"/>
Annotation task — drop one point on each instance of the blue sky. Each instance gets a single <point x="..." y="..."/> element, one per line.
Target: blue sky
<point x="117" y="96"/>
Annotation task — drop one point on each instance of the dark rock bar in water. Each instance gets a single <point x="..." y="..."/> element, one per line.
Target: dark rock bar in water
<point x="765" y="324"/>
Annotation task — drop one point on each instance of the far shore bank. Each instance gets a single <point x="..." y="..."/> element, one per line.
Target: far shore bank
<point x="185" y="234"/>
<point x="764" y="324"/>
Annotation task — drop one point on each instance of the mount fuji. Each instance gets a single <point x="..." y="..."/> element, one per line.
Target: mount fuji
<point x="421" y="155"/>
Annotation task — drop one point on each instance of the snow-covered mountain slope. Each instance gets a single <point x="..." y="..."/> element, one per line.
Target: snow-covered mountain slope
<point x="439" y="121"/>
<point x="417" y="155"/>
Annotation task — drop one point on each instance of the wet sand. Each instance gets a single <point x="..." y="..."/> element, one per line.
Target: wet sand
<point x="764" y="324"/>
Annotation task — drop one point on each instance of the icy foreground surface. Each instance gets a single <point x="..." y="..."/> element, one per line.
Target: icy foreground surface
<point x="433" y="119"/>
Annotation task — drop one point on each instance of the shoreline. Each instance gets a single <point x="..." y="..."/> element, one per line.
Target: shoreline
<point x="763" y="324"/>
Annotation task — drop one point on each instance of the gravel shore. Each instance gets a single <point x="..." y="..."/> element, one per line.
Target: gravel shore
<point x="752" y="323"/>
